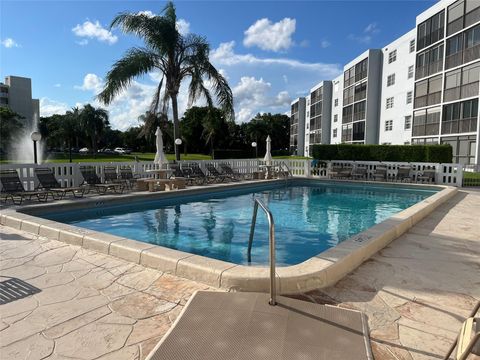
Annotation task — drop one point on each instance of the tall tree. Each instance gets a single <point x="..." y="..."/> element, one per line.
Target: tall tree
<point x="10" y="125"/>
<point x="94" y="122"/>
<point x="176" y="56"/>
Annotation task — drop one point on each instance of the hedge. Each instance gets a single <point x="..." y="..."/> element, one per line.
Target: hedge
<point x="400" y="153"/>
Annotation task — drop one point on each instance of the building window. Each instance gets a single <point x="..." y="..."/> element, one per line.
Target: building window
<point x="334" y="133"/>
<point x="431" y="30"/>
<point x="389" y="103"/>
<point x="408" y="122"/>
<point x="391" y="80"/>
<point x="335" y="118"/>
<point x="409" y="97"/>
<point x="426" y="122"/>
<point x="308" y="113"/>
<point x="392" y="56"/>
<point x="460" y="117"/>
<point x="429" y="62"/>
<point x="428" y="92"/>
<point x="388" y="125"/>
<point x="412" y="45"/>
<point x="410" y="72"/>
<point x="335" y="102"/>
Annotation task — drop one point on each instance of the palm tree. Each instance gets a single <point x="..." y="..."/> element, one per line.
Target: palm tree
<point x="176" y="56"/>
<point x="69" y="128"/>
<point x="94" y="122"/>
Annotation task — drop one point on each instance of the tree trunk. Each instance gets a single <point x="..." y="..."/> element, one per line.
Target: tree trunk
<point x="176" y="127"/>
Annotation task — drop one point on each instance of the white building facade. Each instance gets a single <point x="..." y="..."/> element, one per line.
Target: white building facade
<point x="16" y="94"/>
<point x="396" y="105"/>
<point x="422" y="88"/>
<point x="297" y="126"/>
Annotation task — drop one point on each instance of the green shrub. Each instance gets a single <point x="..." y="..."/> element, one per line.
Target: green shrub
<point x="399" y="153"/>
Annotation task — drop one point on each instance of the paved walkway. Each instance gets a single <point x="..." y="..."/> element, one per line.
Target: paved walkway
<point x="91" y="306"/>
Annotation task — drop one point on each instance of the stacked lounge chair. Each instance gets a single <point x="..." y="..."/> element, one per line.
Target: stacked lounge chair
<point x="219" y="177"/>
<point x="93" y="181"/>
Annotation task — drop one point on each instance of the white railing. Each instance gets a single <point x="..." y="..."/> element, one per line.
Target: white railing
<point x="68" y="174"/>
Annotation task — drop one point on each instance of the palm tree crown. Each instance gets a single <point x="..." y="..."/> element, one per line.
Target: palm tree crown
<point x="176" y="56"/>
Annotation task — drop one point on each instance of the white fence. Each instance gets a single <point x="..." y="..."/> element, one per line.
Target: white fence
<point x="68" y="174"/>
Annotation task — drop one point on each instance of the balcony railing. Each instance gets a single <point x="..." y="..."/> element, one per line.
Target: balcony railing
<point x="454" y="60"/>
<point x="463" y="57"/>
<point x="472" y="17"/>
<point x="471" y="54"/>
<point x="459" y="126"/>
<point x="347" y="100"/>
<point x="361" y="95"/>
<point x="359" y="115"/>
<point x="428" y="69"/>
<point x="461" y="92"/>
<point x="455" y="26"/>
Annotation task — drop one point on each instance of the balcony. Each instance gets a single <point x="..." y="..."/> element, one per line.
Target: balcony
<point x="472" y="17"/>
<point x="428" y="69"/>
<point x="360" y="95"/>
<point x="455" y="26"/>
<point x="426" y="100"/>
<point x="463" y="57"/>
<point x="471" y="54"/>
<point x="347" y="100"/>
<point x="359" y="115"/>
<point x="454" y="60"/>
<point x="459" y="126"/>
<point x="461" y="92"/>
<point x="432" y="129"/>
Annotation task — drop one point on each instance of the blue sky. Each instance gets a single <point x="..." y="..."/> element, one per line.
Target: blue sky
<point x="270" y="51"/>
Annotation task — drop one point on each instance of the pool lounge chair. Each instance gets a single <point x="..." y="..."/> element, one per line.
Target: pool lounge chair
<point x="91" y="179"/>
<point x="234" y="174"/>
<point x="111" y="176"/>
<point x="47" y="181"/>
<point x="127" y="176"/>
<point x="178" y="173"/>
<point x="219" y="177"/>
<point x="403" y="174"/>
<point x="359" y="173"/>
<point x="194" y="171"/>
<point x="380" y="173"/>
<point x="12" y="188"/>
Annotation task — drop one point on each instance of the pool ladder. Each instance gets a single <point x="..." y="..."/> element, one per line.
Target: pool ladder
<point x="271" y="238"/>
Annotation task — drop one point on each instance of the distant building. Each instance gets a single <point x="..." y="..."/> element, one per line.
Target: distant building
<point x="317" y="121"/>
<point x="16" y="94"/>
<point x="297" y="126"/>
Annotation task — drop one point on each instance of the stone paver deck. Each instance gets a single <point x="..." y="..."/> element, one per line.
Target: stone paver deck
<point x="90" y="306"/>
<point x="415" y="293"/>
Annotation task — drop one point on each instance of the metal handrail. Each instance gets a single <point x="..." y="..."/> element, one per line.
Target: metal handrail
<point x="271" y="238"/>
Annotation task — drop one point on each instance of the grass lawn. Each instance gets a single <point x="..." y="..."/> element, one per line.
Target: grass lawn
<point x="61" y="157"/>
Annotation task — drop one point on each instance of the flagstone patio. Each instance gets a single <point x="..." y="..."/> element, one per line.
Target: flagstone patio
<point x="85" y="305"/>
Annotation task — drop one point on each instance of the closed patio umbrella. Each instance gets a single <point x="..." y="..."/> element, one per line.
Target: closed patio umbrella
<point x="268" y="155"/>
<point x="160" y="158"/>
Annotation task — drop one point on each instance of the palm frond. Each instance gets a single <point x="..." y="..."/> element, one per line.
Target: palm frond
<point x="136" y="62"/>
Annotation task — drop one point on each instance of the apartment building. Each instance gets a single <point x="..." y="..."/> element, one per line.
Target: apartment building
<point x="396" y="105"/>
<point x="337" y="106"/>
<point x="447" y="77"/>
<point x="16" y="94"/>
<point x="318" y="115"/>
<point x="362" y="85"/>
<point x="297" y="126"/>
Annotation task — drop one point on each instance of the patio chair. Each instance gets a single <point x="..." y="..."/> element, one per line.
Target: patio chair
<point x="359" y="173"/>
<point x="403" y="174"/>
<point x="196" y="171"/>
<point x="127" y="176"/>
<point x="380" y="173"/>
<point x="427" y="175"/>
<point x="219" y="177"/>
<point x="226" y="169"/>
<point x="178" y="173"/>
<point x="468" y="340"/>
<point x="47" y="181"/>
<point x="91" y="179"/>
<point x="12" y="188"/>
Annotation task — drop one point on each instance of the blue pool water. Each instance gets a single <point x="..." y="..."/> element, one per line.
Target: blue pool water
<point x="309" y="218"/>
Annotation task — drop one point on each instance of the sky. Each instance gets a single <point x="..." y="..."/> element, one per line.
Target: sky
<point x="271" y="52"/>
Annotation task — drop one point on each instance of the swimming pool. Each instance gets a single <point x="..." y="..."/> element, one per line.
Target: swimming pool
<point x="310" y="217"/>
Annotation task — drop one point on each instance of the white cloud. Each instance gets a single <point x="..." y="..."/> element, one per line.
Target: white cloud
<point x="324" y="44"/>
<point x="252" y="96"/>
<point x="57" y="85"/>
<point x="146" y="13"/>
<point x="285" y="79"/>
<point x="183" y="26"/>
<point x="91" y="82"/>
<point x="9" y="43"/>
<point x="225" y="55"/>
<point x="367" y="35"/>
<point x="82" y="42"/>
<point x="270" y="36"/>
<point x="94" y="31"/>
<point x="50" y="107"/>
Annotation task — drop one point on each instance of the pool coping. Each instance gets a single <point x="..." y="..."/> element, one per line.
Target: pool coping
<point x="319" y="271"/>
